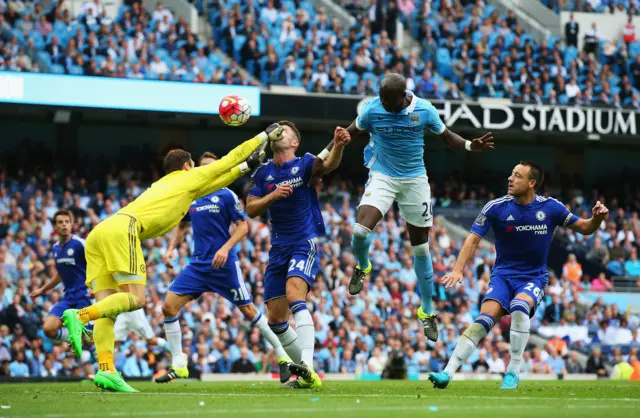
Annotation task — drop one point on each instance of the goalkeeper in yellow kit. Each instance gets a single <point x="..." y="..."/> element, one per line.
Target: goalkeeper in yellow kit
<point x="115" y="264"/>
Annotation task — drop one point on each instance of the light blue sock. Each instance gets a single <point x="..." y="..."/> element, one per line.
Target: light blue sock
<point x="423" y="266"/>
<point x="361" y="241"/>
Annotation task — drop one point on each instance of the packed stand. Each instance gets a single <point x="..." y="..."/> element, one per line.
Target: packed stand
<point x="489" y="55"/>
<point x="613" y="249"/>
<point x="353" y="334"/>
<point x="295" y="44"/>
<point x="619" y="7"/>
<point x="137" y="43"/>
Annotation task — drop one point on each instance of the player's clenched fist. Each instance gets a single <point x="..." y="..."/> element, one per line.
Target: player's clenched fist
<point x="341" y="137"/>
<point x="282" y="192"/>
<point x="451" y="279"/>
<point x="600" y="211"/>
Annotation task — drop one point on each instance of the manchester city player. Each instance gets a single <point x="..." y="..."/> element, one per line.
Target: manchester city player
<point x="284" y="186"/>
<point x="214" y="267"/>
<point x="71" y="267"/>
<point x="396" y="122"/>
<point x="523" y="224"/>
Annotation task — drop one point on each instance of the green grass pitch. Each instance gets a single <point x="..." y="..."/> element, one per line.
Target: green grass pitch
<point x="392" y="399"/>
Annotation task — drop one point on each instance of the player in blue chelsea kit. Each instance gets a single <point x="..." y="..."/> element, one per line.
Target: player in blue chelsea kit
<point x="523" y="224"/>
<point x="71" y="267"/>
<point x="396" y="122"/>
<point x="284" y="186"/>
<point x="214" y="267"/>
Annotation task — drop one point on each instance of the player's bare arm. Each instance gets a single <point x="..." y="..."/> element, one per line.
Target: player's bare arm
<point x="481" y="144"/>
<point x="47" y="286"/>
<point x="354" y="132"/>
<point x="329" y="159"/>
<point x="240" y="231"/>
<point x="178" y="235"/>
<point x="466" y="252"/>
<point x="257" y="205"/>
<point x="599" y="213"/>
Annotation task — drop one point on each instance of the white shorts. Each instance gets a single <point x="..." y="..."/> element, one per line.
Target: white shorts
<point x="134" y="321"/>
<point x="413" y="196"/>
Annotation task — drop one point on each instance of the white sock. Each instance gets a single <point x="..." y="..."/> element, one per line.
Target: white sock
<point x="137" y="317"/>
<point x="466" y="344"/>
<point x="306" y="332"/>
<point x="62" y="335"/>
<point x="174" y="338"/>
<point x="261" y="322"/>
<point x="520" y="326"/>
<point x="288" y="339"/>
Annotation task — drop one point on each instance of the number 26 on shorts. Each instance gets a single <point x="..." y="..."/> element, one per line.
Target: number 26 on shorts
<point x="530" y="287"/>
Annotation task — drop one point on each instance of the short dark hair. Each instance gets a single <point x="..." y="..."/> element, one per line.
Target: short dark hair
<point x="63" y="212"/>
<point x="393" y="83"/>
<point x="175" y="159"/>
<point x="293" y="127"/>
<point x="207" y="154"/>
<point x="535" y="172"/>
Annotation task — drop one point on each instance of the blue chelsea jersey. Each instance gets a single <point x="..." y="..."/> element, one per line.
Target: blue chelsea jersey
<point x="71" y="266"/>
<point x="396" y="147"/>
<point x="298" y="217"/>
<point x="210" y="217"/>
<point x="523" y="233"/>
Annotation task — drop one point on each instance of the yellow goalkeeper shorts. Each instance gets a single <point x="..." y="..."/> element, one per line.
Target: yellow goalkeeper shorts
<point x="114" y="247"/>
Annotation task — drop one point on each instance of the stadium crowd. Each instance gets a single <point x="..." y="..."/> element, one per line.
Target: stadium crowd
<point x="354" y="334"/>
<point x="621" y="7"/>
<point x="467" y="48"/>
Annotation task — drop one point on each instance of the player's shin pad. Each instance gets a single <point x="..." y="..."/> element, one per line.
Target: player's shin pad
<point x="466" y="344"/>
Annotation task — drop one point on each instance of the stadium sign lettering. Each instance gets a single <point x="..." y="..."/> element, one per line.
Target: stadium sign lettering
<point x="540" y="118"/>
<point x="485" y="114"/>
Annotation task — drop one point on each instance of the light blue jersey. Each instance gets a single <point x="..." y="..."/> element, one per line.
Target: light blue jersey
<point x="396" y="147"/>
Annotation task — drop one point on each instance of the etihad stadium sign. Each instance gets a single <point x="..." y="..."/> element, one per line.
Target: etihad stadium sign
<point x="541" y="118"/>
<point x="535" y="118"/>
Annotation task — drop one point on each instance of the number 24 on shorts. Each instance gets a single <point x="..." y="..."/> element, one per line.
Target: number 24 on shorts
<point x="300" y="265"/>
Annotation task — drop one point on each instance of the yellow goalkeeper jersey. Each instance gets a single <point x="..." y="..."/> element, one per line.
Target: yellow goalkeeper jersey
<point x="161" y="207"/>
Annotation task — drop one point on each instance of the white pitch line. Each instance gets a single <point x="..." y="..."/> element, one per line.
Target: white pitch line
<point x="206" y="411"/>
<point x="337" y="395"/>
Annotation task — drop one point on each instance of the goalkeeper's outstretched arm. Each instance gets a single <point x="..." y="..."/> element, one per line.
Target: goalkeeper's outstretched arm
<point x="207" y="179"/>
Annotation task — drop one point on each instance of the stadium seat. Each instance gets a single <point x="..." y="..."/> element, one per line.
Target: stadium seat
<point x="76" y="70"/>
<point x="57" y="69"/>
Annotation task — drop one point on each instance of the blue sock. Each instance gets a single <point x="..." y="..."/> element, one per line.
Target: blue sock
<point x="297" y="306"/>
<point x="520" y="305"/>
<point x="361" y="241"/>
<point x="423" y="266"/>
<point x="487" y="322"/>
